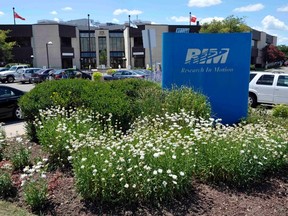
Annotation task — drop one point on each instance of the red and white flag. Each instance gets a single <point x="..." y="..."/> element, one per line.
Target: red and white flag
<point x="193" y="19"/>
<point x="17" y="16"/>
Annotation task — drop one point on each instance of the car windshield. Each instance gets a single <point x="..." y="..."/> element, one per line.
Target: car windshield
<point x="13" y="68"/>
<point x="58" y="71"/>
<point x="40" y="71"/>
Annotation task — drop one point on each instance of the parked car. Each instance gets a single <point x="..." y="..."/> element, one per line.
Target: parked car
<point x="147" y="73"/>
<point x="9" y="102"/>
<point x="3" y="69"/>
<point x="268" y="88"/>
<point x="9" y="75"/>
<point x="70" y="73"/>
<point x="42" y="75"/>
<point x="124" y="74"/>
<point x="25" y="74"/>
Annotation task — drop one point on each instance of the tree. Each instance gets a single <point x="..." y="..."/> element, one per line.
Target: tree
<point x="5" y="47"/>
<point x="228" y="25"/>
<point x="273" y="54"/>
<point x="103" y="57"/>
<point x="284" y="49"/>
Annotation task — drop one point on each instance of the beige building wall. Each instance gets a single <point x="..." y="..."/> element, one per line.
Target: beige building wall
<point x="156" y="51"/>
<point x="128" y="46"/>
<point x="42" y="34"/>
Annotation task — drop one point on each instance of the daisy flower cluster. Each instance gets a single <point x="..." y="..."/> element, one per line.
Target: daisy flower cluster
<point x="159" y="156"/>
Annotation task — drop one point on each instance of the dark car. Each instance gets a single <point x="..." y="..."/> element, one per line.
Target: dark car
<point x="124" y="74"/>
<point x="70" y="74"/>
<point x="4" y="69"/>
<point x="42" y="75"/>
<point x="9" y="102"/>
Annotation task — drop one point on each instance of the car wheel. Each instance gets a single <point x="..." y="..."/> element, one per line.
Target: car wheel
<point x="252" y="100"/>
<point x="18" y="113"/>
<point x="3" y="81"/>
<point x="22" y="82"/>
<point x="10" y="79"/>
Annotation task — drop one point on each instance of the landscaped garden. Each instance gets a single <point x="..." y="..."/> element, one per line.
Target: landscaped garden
<point x="129" y="147"/>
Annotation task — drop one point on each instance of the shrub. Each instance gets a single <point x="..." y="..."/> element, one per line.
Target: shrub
<point x="97" y="76"/>
<point x="53" y="136"/>
<point x="280" y="111"/>
<point x="110" y="71"/>
<point x="34" y="184"/>
<point x="187" y="99"/>
<point x="35" y="193"/>
<point x="125" y="99"/>
<point x="6" y="185"/>
<point x="96" y="96"/>
<point x="20" y="158"/>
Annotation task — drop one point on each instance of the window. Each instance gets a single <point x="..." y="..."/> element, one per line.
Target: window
<point x="282" y="81"/>
<point x="138" y="41"/>
<point x="118" y="73"/>
<point x="87" y="41"/>
<point x="265" y="80"/>
<point x="252" y="76"/>
<point x="116" y="41"/>
<point x="66" y="42"/>
<point x="102" y="43"/>
<point x="6" y="92"/>
<point x="126" y="73"/>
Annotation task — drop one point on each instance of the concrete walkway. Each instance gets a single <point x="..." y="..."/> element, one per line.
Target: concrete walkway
<point x="16" y="129"/>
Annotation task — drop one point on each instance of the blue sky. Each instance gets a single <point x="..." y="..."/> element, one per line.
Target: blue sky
<point x="266" y="15"/>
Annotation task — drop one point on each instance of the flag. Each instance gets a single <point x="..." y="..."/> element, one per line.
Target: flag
<point x="17" y="16"/>
<point x="193" y="19"/>
<point x="133" y="25"/>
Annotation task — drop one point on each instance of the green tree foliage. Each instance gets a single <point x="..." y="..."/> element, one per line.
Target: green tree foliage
<point x="5" y="47"/>
<point x="228" y="25"/>
<point x="284" y="49"/>
<point x="273" y="54"/>
<point x="103" y="57"/>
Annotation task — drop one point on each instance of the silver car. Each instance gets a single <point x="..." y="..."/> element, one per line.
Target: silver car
<point x="123" y="74"/>
<point x="25" y="75"/>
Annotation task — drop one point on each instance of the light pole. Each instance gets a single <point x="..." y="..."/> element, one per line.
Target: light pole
<point x="48" y="43"/>
<point x="32" y="60"/>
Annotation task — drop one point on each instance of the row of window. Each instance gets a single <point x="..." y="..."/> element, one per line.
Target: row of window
<point x="269" y="79"/>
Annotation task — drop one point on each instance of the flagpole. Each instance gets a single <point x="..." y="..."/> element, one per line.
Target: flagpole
<point x="189" y="18"/>
<point x="14" y="16"/>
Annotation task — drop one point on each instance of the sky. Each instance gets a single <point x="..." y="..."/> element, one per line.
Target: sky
<point x="270" y="16"/>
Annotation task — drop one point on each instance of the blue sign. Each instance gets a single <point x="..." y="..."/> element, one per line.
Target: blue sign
<point x="217" y="65"/>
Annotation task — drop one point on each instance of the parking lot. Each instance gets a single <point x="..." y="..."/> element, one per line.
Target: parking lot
<point x="23" y="87"/>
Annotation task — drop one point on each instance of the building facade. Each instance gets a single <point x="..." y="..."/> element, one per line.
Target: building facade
<point x="59" y="45"/>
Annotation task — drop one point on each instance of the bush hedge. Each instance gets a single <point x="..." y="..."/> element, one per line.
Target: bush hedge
<point x="280" y="110"/>
<point x="125" y="99"/>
